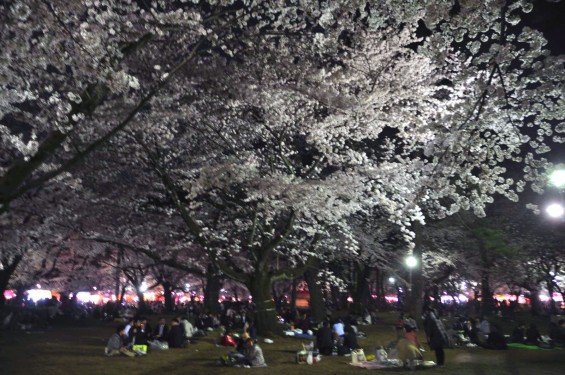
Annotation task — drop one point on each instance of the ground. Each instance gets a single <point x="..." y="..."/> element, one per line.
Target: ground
<point x="78" y="349"/>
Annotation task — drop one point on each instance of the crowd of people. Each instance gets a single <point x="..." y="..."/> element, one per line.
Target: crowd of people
<point x="331" y="337"/>
<point x="137" y="332"/>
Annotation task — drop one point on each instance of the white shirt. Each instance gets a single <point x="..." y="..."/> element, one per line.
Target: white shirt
<point x="338" y="329"/>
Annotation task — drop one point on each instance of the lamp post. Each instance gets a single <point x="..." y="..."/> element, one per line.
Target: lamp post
<point x="557" y="178"/>
<point x="411" y="262"/>
<point x="555" y="210"/>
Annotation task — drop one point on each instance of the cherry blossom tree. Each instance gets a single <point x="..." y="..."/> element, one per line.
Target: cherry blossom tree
<point x="266" y="125"/>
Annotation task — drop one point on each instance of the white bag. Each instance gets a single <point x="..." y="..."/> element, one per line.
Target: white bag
<point x="358" y="356"/>
<point x="301" y="357"/>
<point x="381" y="355"/>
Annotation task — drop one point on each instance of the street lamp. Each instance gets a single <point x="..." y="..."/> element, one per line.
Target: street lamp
<point x="411" y="262"/>
<point x="557" y="178"/>
<point x="555" y="210"/>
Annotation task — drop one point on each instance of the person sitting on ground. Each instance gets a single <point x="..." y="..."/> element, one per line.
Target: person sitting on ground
<point x="400" y="323"/>
<point x="350" y="337"/>
<point x="557" y="332"/>
<point x="175" y="336"/>
<point x="519" y="334"/>
<point x="227" y="339"/>
<point x="408" y="353"/>
<point x="136" y="335"/>
<point x="188" y="328"/>
<point x="409" y="321"/>
<point x="254" y="354"/>
<point x="484" y="329"/>
<point x="115" y="345"/>
<point x="324" y="339"/>
<point x="533" y="337"/>
<point x="161" y="332"/>
<point x="240" y="342"/>
<point x="337" y="329"/>
<point x="250" y="329"/>
<point x="496" y="339"/>
<point x="412" y="337"/>
<point x="129" y="324"/>
<point x="145" y="327"/>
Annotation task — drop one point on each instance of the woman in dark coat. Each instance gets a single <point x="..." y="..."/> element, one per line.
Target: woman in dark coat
<point x="436" y="335"/>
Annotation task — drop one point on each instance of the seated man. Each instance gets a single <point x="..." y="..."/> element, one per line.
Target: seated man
<point x="116" y="345"/>
<point x="337" y="329"/>
<point x="519" y="333"/>
<point x="254" y="354"/>
<point x="557" y="332"/>
<point x="161" y="332"/>
<point x="324" y="339"/>
<point x="496" y="339"/>
<point x="175" y="337"/>
<point x="188" y="328"/>
<point x="533" y="337"/>
<point x="350" y="338"/>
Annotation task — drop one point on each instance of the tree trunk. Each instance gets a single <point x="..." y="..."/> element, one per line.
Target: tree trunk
<point x="4" y="278"/>
<point x="361" y="293"/>
<point x="535" y="302"/>
<point x="337" y="298"/>
<point x="416" y="299"/>
<point x="266" y="316"/>
<point x="487" y="300"/>
<point x="141" y="306"/>
<point x="121" y="298"/>
<point x="5" y="275"/>
<point x="293" y="294"/>
<point x="212" y="292"/>
<point x="550" y="289"/>
<point x="317" y="304"/>
<point x="380" y="289"/>
<point x="168" y="294"/>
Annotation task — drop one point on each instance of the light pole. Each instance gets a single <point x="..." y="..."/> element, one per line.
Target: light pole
<point x="555" y="210"/>
<point x="411" y="262"/>
<point x="557" y="180"/>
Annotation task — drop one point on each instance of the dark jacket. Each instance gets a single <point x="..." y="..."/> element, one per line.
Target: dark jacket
<point x="164" y="335"/>
<point x="350" y="338"/>
<point x="435" y="332"/>
<point x="175" y="337"/>
<point x="324" y="339"/>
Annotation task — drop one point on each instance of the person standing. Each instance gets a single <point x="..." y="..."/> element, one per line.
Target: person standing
<point x="436" y="335"/>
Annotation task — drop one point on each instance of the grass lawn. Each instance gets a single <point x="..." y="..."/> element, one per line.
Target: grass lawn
<point x="78" y="349"/>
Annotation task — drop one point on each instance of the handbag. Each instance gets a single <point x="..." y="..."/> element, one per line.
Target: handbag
<point x="358" y="356"/>
<point x="142" y="349"/>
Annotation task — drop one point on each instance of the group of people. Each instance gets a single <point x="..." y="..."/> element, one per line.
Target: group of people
<point x="247" y="351"/>
<point x="137" y="332"/>
<point x="339" y="338"/>
<point x="482" y="333"/>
